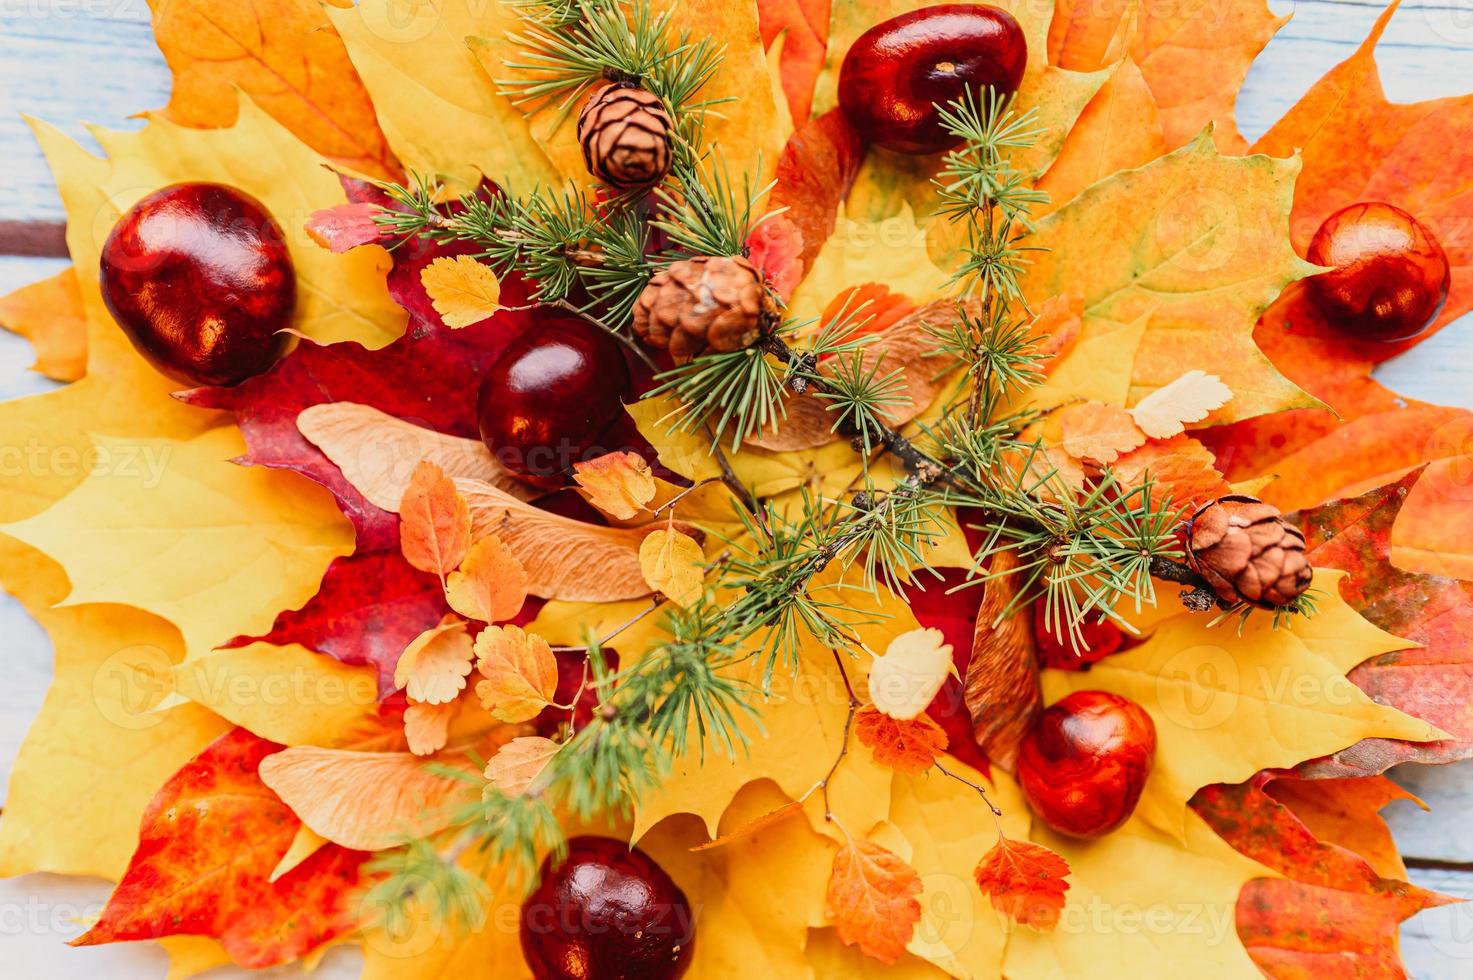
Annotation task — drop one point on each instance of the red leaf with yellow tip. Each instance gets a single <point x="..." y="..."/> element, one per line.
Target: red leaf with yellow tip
<point x="209" y="842"/>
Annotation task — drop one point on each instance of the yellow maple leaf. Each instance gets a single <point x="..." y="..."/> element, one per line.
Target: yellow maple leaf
<point x="462" y="290"/>
<point x="490" y="585"/>
<point x="520" y="761"/>
<point x="1189" y="398"/>
<point x="673" y="565"/>
<point x="619" y="484"/>
<point x="49" y="314"/>
<point x="1229" y="703"/>
<point x="1200" y="246"/>
<point x="177" y="529"/>
<point x="913" y="668"/>
<point x="111" y="672"/>
<point x="433" y="668"/>
<point x="519" y="671"/>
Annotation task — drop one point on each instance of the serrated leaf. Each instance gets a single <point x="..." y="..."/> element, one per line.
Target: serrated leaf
<point x="433" y="668"/>
<point x="910" y="746"/>
<point x="427" y="726"/>
<point x="490" y="585"/>
<point x="434" y="521"/>
<point x="673" y="565"/>
<point x="871" y="900"/>
<point x="1097" y="432"/>
<point x="517" y="765"/>
<point x="519" y="673"/>
<point x="1025" y="882"/>
<point x="49" y="314"/>
<point x="903" y="681"/>
<point x="1189" y="398"/>
<point x="462" y="290"/>
<point x="620" y="484"/>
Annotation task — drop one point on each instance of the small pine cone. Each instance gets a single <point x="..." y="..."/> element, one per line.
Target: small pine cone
<point x="709" y="302"/>
<point x="1247" y="552"/>
<point x="625" y="135"/>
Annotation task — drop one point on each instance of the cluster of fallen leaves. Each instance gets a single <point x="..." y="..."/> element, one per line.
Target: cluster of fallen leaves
<point x="333" y="529"/>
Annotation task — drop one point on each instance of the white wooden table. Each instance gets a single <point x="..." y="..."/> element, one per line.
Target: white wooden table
<point x="69" y="61"/>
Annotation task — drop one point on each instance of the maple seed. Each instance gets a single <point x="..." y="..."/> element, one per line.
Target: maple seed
<point x="1390" y="276"/>
<point x="200" y="279"/>
<point x="898" y="71"/>
<point x="607" y="911"/>
<point x="1084" y="762"/>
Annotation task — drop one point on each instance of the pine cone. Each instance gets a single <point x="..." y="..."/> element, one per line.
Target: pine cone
<point x="1247" y="552"/>
<point x="709" y="302"/>
<point x="625" y="135"/>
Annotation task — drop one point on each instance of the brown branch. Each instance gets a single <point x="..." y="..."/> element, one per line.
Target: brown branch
<point x="828" y="814"/>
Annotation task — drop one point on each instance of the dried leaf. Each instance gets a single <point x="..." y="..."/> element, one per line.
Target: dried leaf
<point x="462" y="290"/>
<point x="564" y="558"/>
<point x="427" y="726"/>
<point x="1189" y="398"/>
<point x="673" y="565"/>
<point x="520" y="673"/>
<point x="1098" y="433"/>
<point x="1025" y="882"/>
<point x="619" y="484"/>
<point x="753" y="827"/>
<point x="520" y="761"/>
<point x="871" y="900"/>
<point x="435" y="664"/>
<point x="1179" y="468"/>
<point x="209" y="842"/>
<point x="1001" y="689"/>
<point x="911" y="746"/>
<point x="490" y="585"/>
<point x="283" y="54"/>
<point x="367" y="801"/>
<point x="345" y="226"/>
<point x="435" y="523"/>
<point x="49" y="314"/>
<point x="913" y="668"/>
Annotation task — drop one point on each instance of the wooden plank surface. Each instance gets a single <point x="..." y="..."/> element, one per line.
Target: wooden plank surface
<point x="73" y="62"/>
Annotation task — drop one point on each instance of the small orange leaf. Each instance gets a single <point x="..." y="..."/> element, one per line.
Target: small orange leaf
<point x="871" y="900"/>
<point x="490" y="585"/>
<point x="1189" y="398"/>
<point x="427" y="726"/>
<point x="905" y="680"/>
<point x="1180" y="468"/>
<point x="752" y="827"/>
<point x="462" y="290"/>
<point x="435" y="522"/>
<point x="49" y="313"/>
<point x="1025" y="882"/>
<point x="619" y="484"/>
<point x="520" y="762"/>
<point x="907" y="746"/>
<point x="520" y="673"/>
<point x="673" y="563"/>
<point x="432" y="669"/>
<point x="1098" y="432"/>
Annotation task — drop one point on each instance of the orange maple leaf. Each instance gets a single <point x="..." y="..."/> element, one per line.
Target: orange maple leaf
<point x="520" y="673"/>
<point x="49" y="314"/>
<point x="871" y="900"/>
<point x="1098" y="432"/>
<point x="1025" y="882"/>
<point x="909" y="746"/>
<point x="619" y="484"/>
<point x="288" y="58"/>
<point x="490" y="585"/>
<point x="434" y="521"/>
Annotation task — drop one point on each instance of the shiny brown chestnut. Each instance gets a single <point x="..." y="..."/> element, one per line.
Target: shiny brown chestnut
<point x="897" y="72"/>
<point x="199" y="277"/>
<point x="608" y="912"/>
<point x="550" y="396"/>
<point x="1084" y="762"/>
<point x="1390" y="276"/>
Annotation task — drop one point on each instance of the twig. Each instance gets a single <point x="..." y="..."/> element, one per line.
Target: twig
<point x="981" y="791"/>
<point x="828" y="813"/>
<point x="654" y="604"/>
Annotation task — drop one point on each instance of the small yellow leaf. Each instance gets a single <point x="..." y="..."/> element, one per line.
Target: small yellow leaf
<point x="433" y="667"/>
<point x="462" y="290"/>
<point x="490" y="585"/>
<point x="1187" y="399"/>
<point x="427" y="726"/>
<point x="915" y="665"/>
<point x="520" y="673"/>
<point x="619" y="484"/>
<point x="672" y="565"/>
<point x="520" y="762"/>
